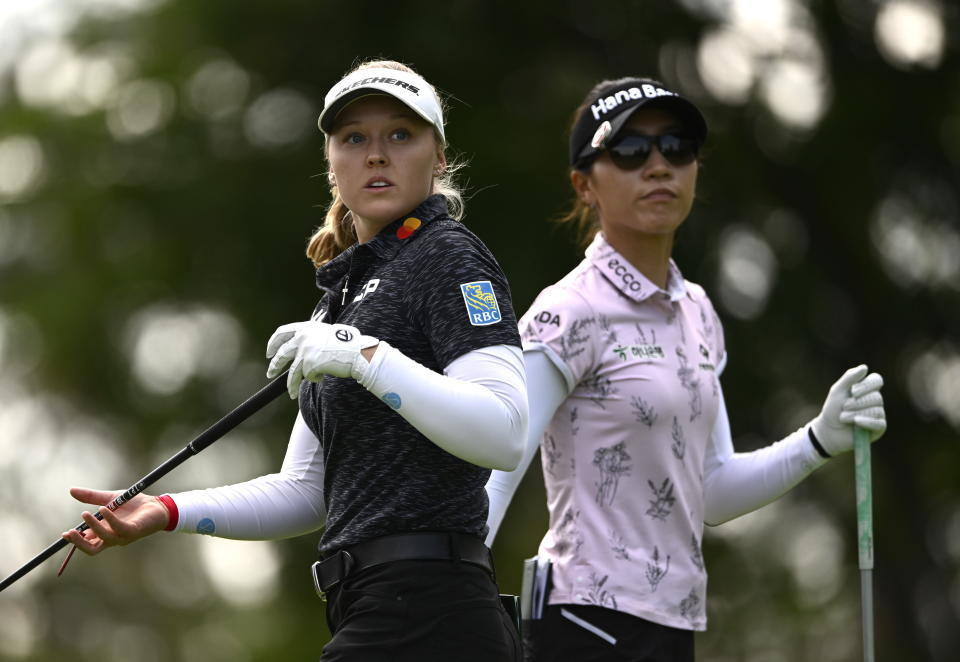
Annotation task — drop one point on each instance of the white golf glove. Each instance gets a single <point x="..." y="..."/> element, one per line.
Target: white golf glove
<point x="853" y="400"/>
<point x="317" y="349"/>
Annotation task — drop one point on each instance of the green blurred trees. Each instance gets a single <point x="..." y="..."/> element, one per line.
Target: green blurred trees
<point x="178" y="201"/>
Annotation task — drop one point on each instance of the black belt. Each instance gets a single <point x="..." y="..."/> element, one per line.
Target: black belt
<point x="424" y="546"/>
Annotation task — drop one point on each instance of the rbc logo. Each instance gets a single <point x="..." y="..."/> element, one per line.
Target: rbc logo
<point x="482" y="308"/>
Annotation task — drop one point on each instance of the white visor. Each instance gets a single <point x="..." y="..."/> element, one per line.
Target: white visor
<point x="404" y="86"/>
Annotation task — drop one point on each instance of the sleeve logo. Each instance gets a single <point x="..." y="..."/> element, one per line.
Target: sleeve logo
<point x="482" y="308"/>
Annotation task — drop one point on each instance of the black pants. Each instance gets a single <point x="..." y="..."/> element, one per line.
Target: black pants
<point x="584" y="634"/>
<point x="421" y="611"/>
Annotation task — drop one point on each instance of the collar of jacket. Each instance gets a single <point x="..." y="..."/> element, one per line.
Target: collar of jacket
<point x="386" y="244"/>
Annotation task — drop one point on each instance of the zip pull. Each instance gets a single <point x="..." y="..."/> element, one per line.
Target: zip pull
<point x="346" y="288"/>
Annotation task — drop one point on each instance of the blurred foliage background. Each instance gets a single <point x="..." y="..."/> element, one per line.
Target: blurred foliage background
<point x="160" y="171"/>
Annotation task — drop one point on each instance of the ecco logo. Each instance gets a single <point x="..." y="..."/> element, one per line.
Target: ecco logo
<point x="629" y="281"/>
<point x="369" y="288"/>
<point x="343" y="335"/>
<point x="606" y="104"/>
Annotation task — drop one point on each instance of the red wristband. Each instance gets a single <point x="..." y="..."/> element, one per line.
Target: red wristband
<point x="172" y="510"/>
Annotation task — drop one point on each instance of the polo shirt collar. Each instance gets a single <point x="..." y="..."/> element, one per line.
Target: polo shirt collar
<point x="387" y="243"/>
<point x="626" y="278"/>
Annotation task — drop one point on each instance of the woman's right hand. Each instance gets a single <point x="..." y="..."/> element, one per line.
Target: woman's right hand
<point x="137" y="518"/>
<point x="317" y="349"/>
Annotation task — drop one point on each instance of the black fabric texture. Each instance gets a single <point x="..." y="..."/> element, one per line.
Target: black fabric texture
<point x="554" y="638"/>
<point x="420" y="611"/>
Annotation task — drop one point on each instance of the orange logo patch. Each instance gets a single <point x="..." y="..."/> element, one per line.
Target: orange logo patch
<point x="408" y="228"/>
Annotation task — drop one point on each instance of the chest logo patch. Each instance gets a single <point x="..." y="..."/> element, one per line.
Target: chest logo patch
<point x="409" y="227"/>
<point x="369" y="288"/>
<point x="482" y="308"/>
<point x="642" y="352"/>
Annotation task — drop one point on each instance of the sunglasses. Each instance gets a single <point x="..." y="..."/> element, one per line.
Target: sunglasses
<point x="632" y="150"/>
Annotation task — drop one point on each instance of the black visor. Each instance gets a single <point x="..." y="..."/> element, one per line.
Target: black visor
<point x="605" y="115"/>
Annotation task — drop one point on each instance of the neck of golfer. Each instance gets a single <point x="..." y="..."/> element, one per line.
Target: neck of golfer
<point x="649" y="253"/>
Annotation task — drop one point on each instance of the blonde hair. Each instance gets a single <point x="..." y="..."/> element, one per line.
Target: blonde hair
<point x="337" y="233"/>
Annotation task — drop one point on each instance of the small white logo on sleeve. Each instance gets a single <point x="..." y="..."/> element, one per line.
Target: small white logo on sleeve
<point x="482" y="308"/>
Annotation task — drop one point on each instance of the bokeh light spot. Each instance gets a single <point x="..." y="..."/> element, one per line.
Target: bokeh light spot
<point x="22" y="166"/>
<point x="910" y="33"/>
<point x="218" y="89"/>
<point x="279" y="118"/>
<point x="748" y="270"/>
<point x="139" y="108"/>
<point x="243" y="572"/>
<point x="169" y="345"/>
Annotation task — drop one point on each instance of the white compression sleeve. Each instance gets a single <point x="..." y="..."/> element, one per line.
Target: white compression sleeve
<point x="280" y="505"/>
<point x="737" y="483"/>
<point x="547" y="389"/>
<point x="476" y="411"/>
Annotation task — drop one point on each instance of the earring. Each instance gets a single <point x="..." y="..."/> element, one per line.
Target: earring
<point x="331" y="179"/>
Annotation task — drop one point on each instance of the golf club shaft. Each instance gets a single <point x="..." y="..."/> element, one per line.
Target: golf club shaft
<point x="861" y="452"/>
<point x="249" y="407"/>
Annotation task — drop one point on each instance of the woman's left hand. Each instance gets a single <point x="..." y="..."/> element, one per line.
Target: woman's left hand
<point x="139" y="517"/>
<point x="317" y="349"/>
<point x="854" y="399"/>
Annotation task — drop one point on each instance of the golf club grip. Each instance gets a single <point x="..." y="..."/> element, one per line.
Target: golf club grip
<point x="246" y="409"/>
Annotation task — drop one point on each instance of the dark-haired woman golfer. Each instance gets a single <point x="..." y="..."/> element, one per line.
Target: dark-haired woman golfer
<point x="623" y="359"/>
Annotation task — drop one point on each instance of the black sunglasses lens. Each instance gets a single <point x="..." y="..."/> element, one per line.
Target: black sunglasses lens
<point x="632" y="151"/>
<point x="677" y="150"/>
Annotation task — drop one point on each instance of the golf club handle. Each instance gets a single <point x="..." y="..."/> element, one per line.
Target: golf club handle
<point x="863" y="479"/>
<point x="246" y="409"/>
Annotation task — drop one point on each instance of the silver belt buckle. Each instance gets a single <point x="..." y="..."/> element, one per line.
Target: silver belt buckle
<point x="346" y="565"/>
<point x="315" y="570"/>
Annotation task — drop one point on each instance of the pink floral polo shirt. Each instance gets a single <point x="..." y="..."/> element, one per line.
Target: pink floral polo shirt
<point x="623" y="455"/>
